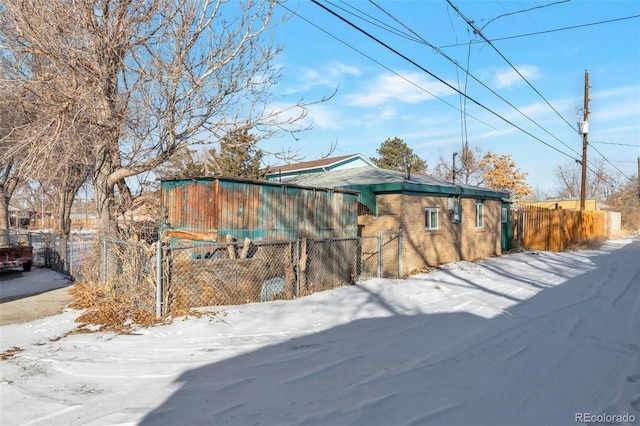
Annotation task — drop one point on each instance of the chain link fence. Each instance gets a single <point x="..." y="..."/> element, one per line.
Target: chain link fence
<point x="130" y="270"/>
<point x="57" y="252"/>
<point x="178" y="274"/>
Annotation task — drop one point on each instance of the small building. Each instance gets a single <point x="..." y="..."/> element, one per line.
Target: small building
<point x="289" y="171"/>
<point x="259" y="210"/>
<point x="440" y="221"/>
<point x="256" y="223"/>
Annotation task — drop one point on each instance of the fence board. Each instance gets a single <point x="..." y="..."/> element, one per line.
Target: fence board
<point x="554" y="230"/>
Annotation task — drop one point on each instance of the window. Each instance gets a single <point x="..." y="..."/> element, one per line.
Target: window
<point x="479" y="214"/>
<point x="504" y="215"/>
<point x="430" y="218"/>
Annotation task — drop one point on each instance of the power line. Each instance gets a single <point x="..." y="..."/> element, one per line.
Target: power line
<point x="383" y="66"/>
<point x="436" y="77"/>
<point x="477" y="31"/>
<point x="546" y="31"/>
<point x="374" y="21"/>
<point x="604" y="175"/>
<point x="522" y="11"/>
<point x="439" y="51"/>
<point x="620" y="144"/>
<point x="614" y="166"/>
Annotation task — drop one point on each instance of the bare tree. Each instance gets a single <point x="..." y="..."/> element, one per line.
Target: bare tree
<point x="185" y="163"/>
<point x="143" y="78"/>
<point x="569" y="176"/>
<point x="469" y="168"/>
<point x="12" y="118"/>
<point x="625" y="198"/>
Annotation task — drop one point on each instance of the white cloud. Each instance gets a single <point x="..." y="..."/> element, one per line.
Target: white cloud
<point x="412" y="89"/>
<point x="508" y="78"/>
<point x="331" y="75"/>
<point x="324" y="117"/>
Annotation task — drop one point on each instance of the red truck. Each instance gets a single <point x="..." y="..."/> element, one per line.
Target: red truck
<point x="15" y="256"/>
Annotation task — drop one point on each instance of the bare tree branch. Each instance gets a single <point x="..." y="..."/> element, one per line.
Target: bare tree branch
<point x="138" y="80"/>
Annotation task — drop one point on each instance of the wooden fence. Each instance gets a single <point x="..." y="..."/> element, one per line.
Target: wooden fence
<point x="554" y="230"/>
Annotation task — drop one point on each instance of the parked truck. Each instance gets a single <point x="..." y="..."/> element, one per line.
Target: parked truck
<point x="15" y="254"/>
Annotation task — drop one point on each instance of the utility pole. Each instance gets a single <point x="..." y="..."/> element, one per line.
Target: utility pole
<point x="583" y="128"/>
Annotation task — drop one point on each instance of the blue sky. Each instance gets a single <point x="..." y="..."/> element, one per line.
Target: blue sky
<point x="381" y="95"/>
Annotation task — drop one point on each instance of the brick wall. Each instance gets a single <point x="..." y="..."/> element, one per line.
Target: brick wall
<point x="450" y="242"/>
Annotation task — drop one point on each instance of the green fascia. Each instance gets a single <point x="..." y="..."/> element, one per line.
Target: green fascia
<point x="367" y="193"/>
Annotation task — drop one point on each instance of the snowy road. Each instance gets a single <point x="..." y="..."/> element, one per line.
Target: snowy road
<point x="524" y="339"/>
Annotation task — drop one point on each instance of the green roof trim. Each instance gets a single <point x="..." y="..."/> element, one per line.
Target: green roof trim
<point x="367" y="193"/>
<point x="420" y="188"/>
<point x="365" y="196"/>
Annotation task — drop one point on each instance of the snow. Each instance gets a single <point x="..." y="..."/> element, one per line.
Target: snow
<point x="15" y="285"/>
<point x="531" y="338"/>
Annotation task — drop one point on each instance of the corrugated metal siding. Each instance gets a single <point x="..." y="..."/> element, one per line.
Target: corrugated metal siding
<point x="257" y="210"/>
<point x="191" y="204"/>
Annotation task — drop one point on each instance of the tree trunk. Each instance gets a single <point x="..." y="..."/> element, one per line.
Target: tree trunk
<point x="4" y="211"/>
<point x="63" y="218"/>
<point x="105" y="200"/>
<point x="6" y="192"/>
<point x="4" y="219"/>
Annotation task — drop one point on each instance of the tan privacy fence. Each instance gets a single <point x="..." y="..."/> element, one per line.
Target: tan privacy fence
<point x="554" y="230"/>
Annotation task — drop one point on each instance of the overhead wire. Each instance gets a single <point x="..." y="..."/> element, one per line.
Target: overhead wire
<point x="620" y="144"/>
<point x="523" y="11"/>
<point x="463" y="101"/>
<point x="545" y="31"/>
<point x="397" y="32"/>
<point x="613" y="165"/>
<point x="479" y="32"/>
<point x="388" y="47"/>
<point x="447" y="57"/>
<point x="373" y="20"/>
<point x="382" y="65"/>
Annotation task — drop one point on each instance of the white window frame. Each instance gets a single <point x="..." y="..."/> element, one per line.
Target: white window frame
<point x="428" y="222"/>
<point x="479" y="214"/>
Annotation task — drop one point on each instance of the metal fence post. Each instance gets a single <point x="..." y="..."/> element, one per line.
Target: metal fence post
<point x="400" y="254"/>
<point x="159" y="279"/>
<point x="70" y="255"/>
<point x="380" y="234"/>
<point x="104" y="261"/>
<point x="297" y="268"/>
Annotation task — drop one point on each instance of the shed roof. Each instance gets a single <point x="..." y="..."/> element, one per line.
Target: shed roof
<point x="170" y="182"/>
<point x="370" y="181"/>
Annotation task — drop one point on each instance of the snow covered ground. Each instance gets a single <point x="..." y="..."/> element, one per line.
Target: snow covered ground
<point x="14" y="284"/>
<point x="525" y="339"/>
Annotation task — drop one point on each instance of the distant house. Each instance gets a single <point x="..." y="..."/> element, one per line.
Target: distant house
<point x="20" y="218"/>
<point x="589" y="205"/>
<point x="441" y="222"/>
<point x="289" y="171"/>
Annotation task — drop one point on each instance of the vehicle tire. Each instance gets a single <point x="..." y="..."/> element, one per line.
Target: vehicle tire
<point x="26" y="267"/>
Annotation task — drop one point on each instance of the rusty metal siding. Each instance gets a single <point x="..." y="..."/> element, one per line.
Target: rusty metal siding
<point x="258" y="210"/>
<point x="191" y="205"/>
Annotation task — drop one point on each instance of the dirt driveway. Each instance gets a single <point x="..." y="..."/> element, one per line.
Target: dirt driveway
<point x="34" y="307"/>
